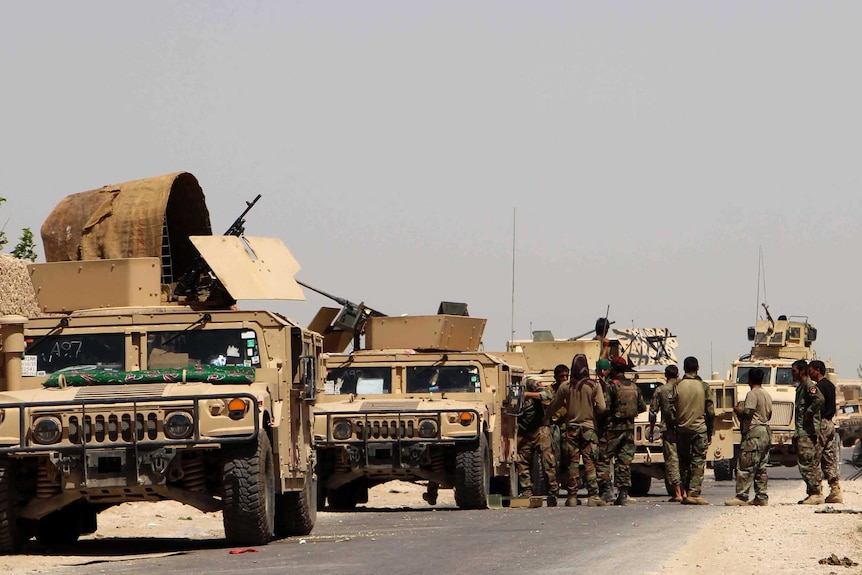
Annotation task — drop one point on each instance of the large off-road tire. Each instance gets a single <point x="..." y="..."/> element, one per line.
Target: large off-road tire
<point x="65" y="526"/>
<point x="12" y="538"/>
<point x="473" y="475"/>
<point x="248" y="480"/>
<point x="641" y="483"/>
<point x="723" y="469"/>
<point x="296" y="512"/>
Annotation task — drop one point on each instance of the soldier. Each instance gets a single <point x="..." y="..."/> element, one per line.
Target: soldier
<point x="583" y="399"/>
<point x="663" y="403"/>
<point x="529" y="439"/>
<point x="809" y="403"/>
<point x="754" y="414"/>
<point x="695" y="413"/>
<point x="603" y="372"/>
<point x="603" y="326"/>
<point x="549" y="435"/>
<point x="626" y="401"/>
<point x="828" y="445"/>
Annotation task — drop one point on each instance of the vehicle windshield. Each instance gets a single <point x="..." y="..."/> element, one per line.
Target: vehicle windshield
<point x="445" y="378"/>
<point x="219" y="347"/>
<point x="648" y="389"/>
<point x="849" y="409"/>
<point x="44" y="356"/>
<point x="358" y="380"/>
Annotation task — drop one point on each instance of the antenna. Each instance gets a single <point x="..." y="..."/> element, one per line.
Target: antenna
<point x="512" y="327"/>
<point x="761" y="276"/>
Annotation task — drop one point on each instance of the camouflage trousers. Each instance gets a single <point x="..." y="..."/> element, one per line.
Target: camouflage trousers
<point x="580" y="442"/>
<point x="808" y="457"/>
<point x="692" y="448"/>
<point x="829" y="451"/>
<point x="528" y="445"/>
<point x="671" y="457"/>
<point x="549" y="443"/>
<point x="752" y="462"/>
<point x="617" y="444"/>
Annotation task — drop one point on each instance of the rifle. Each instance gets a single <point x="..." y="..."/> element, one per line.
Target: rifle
<point x="188" y="280"/>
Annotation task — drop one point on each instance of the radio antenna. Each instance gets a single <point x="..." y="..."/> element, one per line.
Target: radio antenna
<point x="761" y="277"/>
<point x="512" y="327"/>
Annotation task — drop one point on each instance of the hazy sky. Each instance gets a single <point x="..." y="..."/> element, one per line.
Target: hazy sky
<point x="647" y="151"/>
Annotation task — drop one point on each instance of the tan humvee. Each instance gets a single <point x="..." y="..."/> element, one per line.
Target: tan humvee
<point x="420" y="403"/>
<point x="117" y="395"/>
<point x="848" y="417"/>
<point x="776" y="345"/>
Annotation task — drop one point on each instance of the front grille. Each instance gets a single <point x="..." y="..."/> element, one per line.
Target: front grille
<point x="383" y="429"/>
<point x="113" y="427"/>
<point x="782" y="414"/>
<point x="139" y="391"/>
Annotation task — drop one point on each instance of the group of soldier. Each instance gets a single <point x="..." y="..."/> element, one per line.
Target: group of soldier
<point x="592" y="419"/>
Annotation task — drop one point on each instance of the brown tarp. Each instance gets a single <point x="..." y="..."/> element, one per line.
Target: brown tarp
<point x="130" y="220"/>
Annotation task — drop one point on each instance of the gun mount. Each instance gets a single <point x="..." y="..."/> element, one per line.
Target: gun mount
<point x="341" y="326"/>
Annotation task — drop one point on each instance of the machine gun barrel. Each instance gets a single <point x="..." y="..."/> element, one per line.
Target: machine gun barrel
<point x="364" y="309"/>
<point x="191" y="275"/>
<point x="586" y="333"/>
<point x="335" y="298"/>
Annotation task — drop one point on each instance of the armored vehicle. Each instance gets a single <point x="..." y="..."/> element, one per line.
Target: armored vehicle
<point x="848" y="418"/>
<point x="776" y="345"/>
<point x="116" y="393"/>
<point x="419" y="403"/>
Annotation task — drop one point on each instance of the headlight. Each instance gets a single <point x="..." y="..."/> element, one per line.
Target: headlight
<point x="179" y="425"/>
<point x="427" y="428"/>
<point x="47" y="430"/>
<point x="342" y="429"/>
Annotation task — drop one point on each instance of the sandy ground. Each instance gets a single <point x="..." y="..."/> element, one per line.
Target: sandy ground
<point x="783" y="538"/>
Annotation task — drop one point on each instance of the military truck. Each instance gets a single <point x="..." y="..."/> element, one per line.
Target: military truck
<point x="117" y="393"/>
<point x="848" y="418"/>
<point x="776" y="345"/>
<point x="418" y="403"/>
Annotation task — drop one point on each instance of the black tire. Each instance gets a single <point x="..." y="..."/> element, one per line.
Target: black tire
<point x="473" y="475"/>
<point x="344" y="498"/>
<point x="641" y="482"/>
<point x="12" y="538"/>
<point x="296" y="512"/>
<point x="723" y="469"/>
<point x="62" y="527"/>
<point x="248" y="480"/>
<point x="538" y="475"/>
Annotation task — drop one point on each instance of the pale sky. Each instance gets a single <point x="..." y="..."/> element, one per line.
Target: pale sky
<point x="647" y="151"/>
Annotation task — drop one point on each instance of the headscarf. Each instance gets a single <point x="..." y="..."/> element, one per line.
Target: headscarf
<point x="580" y="368"/>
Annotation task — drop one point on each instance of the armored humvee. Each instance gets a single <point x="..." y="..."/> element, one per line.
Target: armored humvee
<point x="116" y="393"/>
<point x="848" y="418"/>
<point x="419" y="403"/>
<point x="776" y="345"/>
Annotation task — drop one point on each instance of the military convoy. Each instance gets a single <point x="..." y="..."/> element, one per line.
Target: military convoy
<point x="419" y="402"/>
<point x="776" y="345"/>
<point x="125" y="390"/>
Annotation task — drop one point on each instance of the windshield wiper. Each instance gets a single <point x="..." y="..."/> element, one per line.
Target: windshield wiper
<point x="64" y="323"/>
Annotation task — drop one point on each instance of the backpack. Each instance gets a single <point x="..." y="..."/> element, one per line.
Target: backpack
<point x="626" y="405"/>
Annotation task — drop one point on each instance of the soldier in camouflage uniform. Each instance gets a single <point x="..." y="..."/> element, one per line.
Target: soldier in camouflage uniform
<point x="550" y="439"/>
<point x="809" y="403"/>
<point x="828" y="446"/>
<point x="695" y="413"/>
<point x="603" y="374"/>
<point x="662" y="403"/>
<point x="626" y="401"/>
<point x="754" y="414"/>
<point x="529" y="437"/>
<point x="583" y="400"/>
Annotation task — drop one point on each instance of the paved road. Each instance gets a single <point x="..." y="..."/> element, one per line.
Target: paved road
<point x="423" y="540"/>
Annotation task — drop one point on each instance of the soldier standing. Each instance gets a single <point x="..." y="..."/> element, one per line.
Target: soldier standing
<point x="754" y="415"/>
<point x="529" y="439"/>
<point x="663" y="404"/>
<point x="626" y="401"/>
<point x="549" y="435"/>
<point x="603" y="463"/>
<point x="828" y="445"/>
<point x="695" y="412"/>
<point x="583" y="399"/>
<point x="809" y="403"/>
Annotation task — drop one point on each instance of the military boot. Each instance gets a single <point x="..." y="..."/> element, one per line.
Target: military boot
<point x="835" y="494"/>
<point x="812" y="499"/>
<point x="695" y="500"/>
<point x="622" y="496"/>
<point x="595" y="501"/>
<point x="607" y="492"/>
<point x="572" y="501"/>
<point x="527" y="492"/>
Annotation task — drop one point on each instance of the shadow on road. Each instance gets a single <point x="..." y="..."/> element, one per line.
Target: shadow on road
<point x="116" y="547"/>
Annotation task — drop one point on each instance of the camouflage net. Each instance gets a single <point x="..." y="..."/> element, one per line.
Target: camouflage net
<point x="191" y="374"/>
<point x="17" y="296"/>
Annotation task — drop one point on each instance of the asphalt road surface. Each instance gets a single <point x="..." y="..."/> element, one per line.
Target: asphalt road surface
<point x="426" y="540"/>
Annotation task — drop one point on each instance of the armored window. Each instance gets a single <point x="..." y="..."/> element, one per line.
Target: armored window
<point x="442" y="379"/>
<point x="219" y="347"/>
<point x="648" y="389"/>
<point x="55" y="353"/>
<point x="784" y="376"/>
<point x="358" y="380"/>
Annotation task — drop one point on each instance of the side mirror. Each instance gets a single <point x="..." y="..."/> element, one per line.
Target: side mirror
<point x="309" y="377"/>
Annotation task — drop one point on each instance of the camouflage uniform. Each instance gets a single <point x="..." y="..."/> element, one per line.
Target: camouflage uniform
<point x="604" y="466"/>
<point x="580" y="442"/>
<point x="696" y="413"/>
<point x="809" y="402"/>
<point x="828" y="445"/>
<point x="662" y="404"/>
<point x="530" y="440"/>
<point x="618" y="438"/>
<point x="754" y="449"/>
